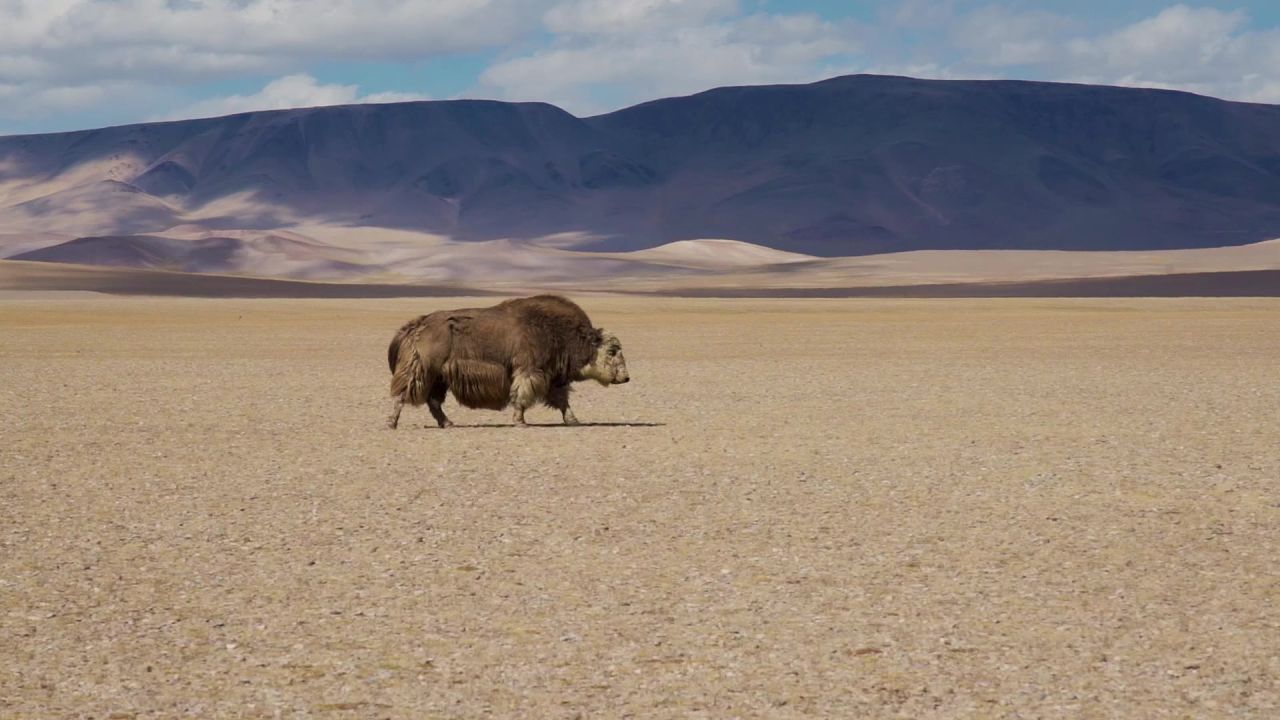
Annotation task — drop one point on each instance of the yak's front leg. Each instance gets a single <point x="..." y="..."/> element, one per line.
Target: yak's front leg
<point x="558" y="398"/>
<point x="526" y="388"/>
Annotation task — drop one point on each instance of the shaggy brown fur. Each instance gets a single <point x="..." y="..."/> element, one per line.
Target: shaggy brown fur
<point x="478" y="384"/>
<point x="517" y="353"/>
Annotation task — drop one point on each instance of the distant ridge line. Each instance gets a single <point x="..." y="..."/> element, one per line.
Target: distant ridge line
<point x="50" y="277"/>
<point x="1239" y="283"/>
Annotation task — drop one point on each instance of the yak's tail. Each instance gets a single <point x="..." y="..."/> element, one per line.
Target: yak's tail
<point x="393" y="350"/>
<point x="410" y="380"/>
<point x="408" y="370"/>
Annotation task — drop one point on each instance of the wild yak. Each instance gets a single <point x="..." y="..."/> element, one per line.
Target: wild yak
<point x="516" y="353"/>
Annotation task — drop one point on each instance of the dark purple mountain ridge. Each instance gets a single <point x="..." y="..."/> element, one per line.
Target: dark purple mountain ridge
<point x="848" y="166"/>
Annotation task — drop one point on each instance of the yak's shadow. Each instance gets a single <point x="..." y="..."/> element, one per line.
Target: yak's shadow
<point x="482" y="426"/>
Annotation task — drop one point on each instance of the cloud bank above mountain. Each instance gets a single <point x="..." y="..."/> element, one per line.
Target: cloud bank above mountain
<point x="290" y="91"/>
<point x="82" y="63"/>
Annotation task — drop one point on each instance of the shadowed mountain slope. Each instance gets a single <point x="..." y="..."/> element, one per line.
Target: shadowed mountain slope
<point x="849" y="166"/>
<point x="268" y="255"/>
<point x="872" y="164"/>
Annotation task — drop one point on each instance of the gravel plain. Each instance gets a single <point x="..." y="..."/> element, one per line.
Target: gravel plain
<point x="1006" y="508"/>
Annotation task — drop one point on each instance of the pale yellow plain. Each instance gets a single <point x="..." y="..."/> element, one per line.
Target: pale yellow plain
<point x="841" y="508"/>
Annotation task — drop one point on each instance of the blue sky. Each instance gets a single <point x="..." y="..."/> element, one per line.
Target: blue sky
<point x="70" y="64"/>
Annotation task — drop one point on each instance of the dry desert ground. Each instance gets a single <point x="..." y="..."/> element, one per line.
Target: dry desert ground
<point x="1005" y="508"/>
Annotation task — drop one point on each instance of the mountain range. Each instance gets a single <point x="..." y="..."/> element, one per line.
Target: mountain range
<point x="852" y="166"/>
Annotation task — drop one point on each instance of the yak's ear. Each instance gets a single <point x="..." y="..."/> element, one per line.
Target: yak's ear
<point x="596" y="337"/>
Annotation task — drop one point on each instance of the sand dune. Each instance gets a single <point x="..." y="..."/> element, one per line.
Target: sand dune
<point x="16" y="243"/>
<point x="401" y="257"/>
<point x="507" y="261"/>
<point x="981" y="266"/>
<point x="264" y="254"/>
<point x="48" y="277"/>
<point x="22" y="179"/>
<point x="83" y="209"/>
<point x="713" y="254"/>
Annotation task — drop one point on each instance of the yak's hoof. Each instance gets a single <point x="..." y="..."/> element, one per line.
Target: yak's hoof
<point x="572" y="421"/>
<point x="446" y="424"/>
<point x="391" y="425"/>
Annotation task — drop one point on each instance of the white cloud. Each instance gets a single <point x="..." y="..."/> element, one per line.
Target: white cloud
<point x="1197" y="49"/>
<point x="1258" y="89"/>
<point x="762" y="48"/>
<point x="610" y="53"/>
<point x="291" y="91"/>
<point x="633" y="16"/>
<point x="30" y="101"/>
<point x="168" y="40"/>
<point x="921" y="13"/>
<point x="391" y="97"/>
<point x="122" y="60"/>
<point x="1200" y="50"/>
<point x="997" y="35"/>
<point x="1176" y="34"/>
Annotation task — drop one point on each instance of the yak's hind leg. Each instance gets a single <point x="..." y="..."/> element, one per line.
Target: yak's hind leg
<point x="434" y="400"/>
<point x="397" y="404"/>
<point x="558" y="398"/>
<point x="415" y="382"/>
<point x="526" y="389"/>
<point x="416" y="356"/>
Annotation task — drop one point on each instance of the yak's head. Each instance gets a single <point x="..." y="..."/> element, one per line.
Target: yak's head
<point x="608" y="366"/>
